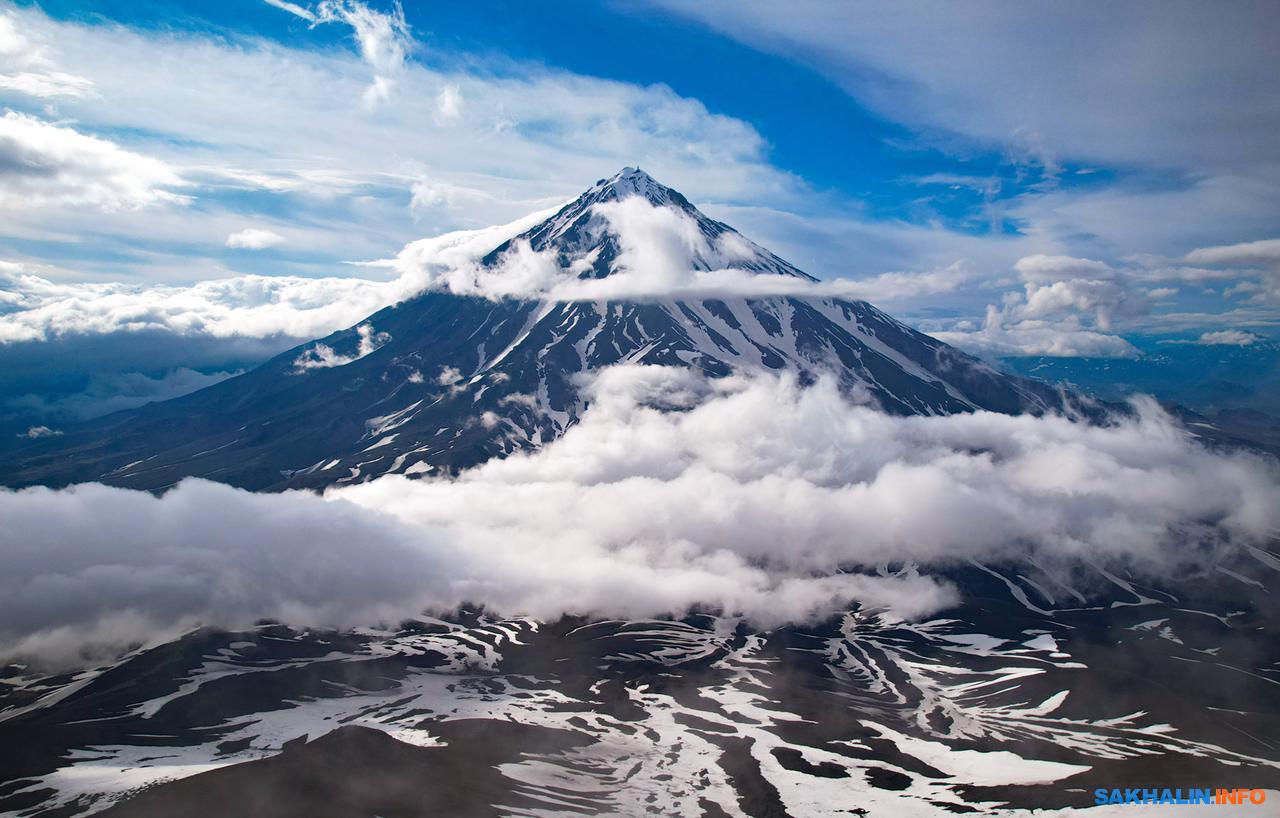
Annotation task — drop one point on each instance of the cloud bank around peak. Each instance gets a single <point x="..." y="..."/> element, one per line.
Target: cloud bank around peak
<point x="663" y="253"/>
<point x="1067" y="306"/>
<point x="761" y="498"/>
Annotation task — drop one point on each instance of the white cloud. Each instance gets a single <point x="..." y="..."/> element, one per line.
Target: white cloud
<point x="449" y="104"/>
<point x="40" y="431"/>
<point x="1229" y="337"/>
<point x="1031" y="338"/>
<point x="293" y="8"/>
<point x="323" y="356"/>
<point x="46" y="84"/>
<point x="383" y="38"/>
<point x="45" y="164"/>
<point x="761" y="498"/>
<point x="663" y="253"/>
<point x="25" y="66"/>
<point x="526" y="138"/>
<point x="430" y="192"/>
<point x="900" y="285"/>
<point x="1068" y="307"/>
<point x="254" y="238"/>
<point x="1266" y="251"/>
<point x="247" y="306"/>
<point x="33" y="308"/>
<point x="1187" y="137"/>
<point x="1041" y="268"/>
<point x="1194" y="93"/>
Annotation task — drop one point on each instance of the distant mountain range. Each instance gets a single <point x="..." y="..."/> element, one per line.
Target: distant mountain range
<point x="444" y="381"/>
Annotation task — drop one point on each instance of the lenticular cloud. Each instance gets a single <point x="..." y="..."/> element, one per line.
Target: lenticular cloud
<point x="749" y="495"/>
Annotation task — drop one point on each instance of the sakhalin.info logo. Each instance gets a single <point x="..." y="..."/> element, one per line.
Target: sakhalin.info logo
<point x="1144" y="795"/>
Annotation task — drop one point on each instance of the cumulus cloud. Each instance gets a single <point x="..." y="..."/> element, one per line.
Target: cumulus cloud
<point x="1042" y="268"/>
<point x="759" y="497"/>
<point x="1068" y="307"/>
<point x="254" y="238"/>
<point x="42" y="163"/>
<point x="1229" y="337"/>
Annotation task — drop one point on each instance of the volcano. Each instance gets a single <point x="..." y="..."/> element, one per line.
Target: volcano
<point x="443" y="381"/>
<point x="1048" y="684"/>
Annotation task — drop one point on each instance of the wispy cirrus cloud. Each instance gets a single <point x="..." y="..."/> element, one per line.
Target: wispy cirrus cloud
<point x="998" y="74"/>
<point x="492" y="142"/>
<point x="383" y="37"/>
<point x="26" y="68"/>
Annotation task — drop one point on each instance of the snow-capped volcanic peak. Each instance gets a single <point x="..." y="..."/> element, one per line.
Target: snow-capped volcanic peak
<point x="635" y="182"/>
<point x="631" y="209"/>
<point x="459" y="374"/>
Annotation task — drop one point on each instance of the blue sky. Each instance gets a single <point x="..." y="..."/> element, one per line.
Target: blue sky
<point x="813" y="128"/>
<point x="1073" y="181"/>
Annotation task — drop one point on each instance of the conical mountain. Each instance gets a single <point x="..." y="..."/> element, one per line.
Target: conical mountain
<point x="443" y="381"/>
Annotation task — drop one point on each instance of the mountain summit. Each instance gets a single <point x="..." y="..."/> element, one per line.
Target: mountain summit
<point x="444" y="381"/>
<point x="585" y="240"/>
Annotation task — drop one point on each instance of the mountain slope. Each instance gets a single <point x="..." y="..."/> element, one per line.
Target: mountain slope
<point x="444" y="381"/>
<point x="1007" y="704"/>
